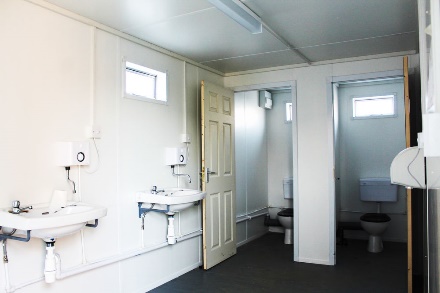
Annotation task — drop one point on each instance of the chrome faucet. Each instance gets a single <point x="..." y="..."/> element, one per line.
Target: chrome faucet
<point x="154" y="190"/>
<point x="16" y="209"/>
<point x="187" y="175"/>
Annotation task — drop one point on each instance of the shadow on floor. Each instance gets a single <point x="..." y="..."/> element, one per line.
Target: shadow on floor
<point x="265" y="265"/>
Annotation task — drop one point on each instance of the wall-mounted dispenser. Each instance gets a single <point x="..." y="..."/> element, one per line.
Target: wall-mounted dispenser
<point x="72" y="153"/>
<point x="176" y="156"/>
<point x="408" y="169"/>
<point x="265" y="99"/>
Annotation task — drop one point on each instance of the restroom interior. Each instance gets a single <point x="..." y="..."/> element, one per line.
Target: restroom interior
<point x="63" y="74"/>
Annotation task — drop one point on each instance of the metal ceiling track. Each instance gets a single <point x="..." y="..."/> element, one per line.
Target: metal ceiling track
<point x="276" y="35"/>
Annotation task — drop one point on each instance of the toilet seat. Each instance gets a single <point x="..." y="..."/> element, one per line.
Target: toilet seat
<point x="375" y="218"/>
<point x="286" y="213"/>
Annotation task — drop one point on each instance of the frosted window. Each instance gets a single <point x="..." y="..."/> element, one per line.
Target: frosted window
<point x="145" y="83"/>
<point x="374" y="107"/>
<point x="288" y="112"/>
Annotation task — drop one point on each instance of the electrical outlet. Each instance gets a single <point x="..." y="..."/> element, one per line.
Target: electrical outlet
<point x="185" y="138"/>
<point x="93" y="131"/>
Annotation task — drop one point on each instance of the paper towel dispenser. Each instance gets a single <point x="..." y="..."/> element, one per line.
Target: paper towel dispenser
<point x="408" y="169"/>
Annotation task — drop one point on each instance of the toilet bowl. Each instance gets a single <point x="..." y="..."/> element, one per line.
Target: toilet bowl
<point x="376" y="190"/>
<point x="286" y="220"/>
<point x="375" y="224"/>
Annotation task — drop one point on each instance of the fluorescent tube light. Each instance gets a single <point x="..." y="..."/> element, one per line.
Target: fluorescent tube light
<point x="240" y="13"/>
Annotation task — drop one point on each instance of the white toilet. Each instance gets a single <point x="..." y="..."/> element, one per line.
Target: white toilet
<point x="285" y="216"/>
<point x="286" y="220"/>
<point x="376" y="190"/>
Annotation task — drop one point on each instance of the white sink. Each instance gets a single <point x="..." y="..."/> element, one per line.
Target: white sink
<point x="51" y="225"/>
<point x="171" y="200"/>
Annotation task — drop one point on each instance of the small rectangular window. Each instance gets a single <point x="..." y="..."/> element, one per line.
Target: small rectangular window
<point x="288" y="112"/>
<point x="374" y="107"/>
<point x="144" y="83"/>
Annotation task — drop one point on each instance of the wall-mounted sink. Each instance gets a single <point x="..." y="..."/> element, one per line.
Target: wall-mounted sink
<point x="50" y="225"/>
<point x="170" y="200"/>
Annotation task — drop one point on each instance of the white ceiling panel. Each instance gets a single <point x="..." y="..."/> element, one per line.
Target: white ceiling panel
<point x="397" y="43"/>
<point x="320" y="29"/>
<point x="252" y="62"/>
<point x="215" y="39"/>
<point x="124" y="15"/>
<point x="314" y="22"/>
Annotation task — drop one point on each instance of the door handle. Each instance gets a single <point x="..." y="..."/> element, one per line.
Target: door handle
<point x="207" y="174"/>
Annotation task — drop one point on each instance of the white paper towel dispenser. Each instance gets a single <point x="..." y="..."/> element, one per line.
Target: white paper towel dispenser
<point x="408" y="169"/>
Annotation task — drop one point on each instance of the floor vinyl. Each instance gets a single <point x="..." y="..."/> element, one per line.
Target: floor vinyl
<point x="265" y="265"/>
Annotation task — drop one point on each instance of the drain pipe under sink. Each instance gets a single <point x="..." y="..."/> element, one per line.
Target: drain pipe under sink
<point x="50" y="267"/>
<point x="171" y="236"/>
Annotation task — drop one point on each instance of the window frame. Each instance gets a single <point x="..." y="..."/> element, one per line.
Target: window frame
<point x="147" y="72"/>
<point x="374" y="97"/>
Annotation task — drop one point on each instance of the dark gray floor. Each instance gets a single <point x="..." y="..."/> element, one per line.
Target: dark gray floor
<point x="265" y="265"/>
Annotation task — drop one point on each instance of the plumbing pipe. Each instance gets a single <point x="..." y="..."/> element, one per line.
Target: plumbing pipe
<point x="7" y="283"/>
<point x="189" y="235"/>
<point x="50" y="263"/>
<point x="171" y="237"/>
<point x="5" y="262"/>
<point x="10" y="289"/>
<point x="111" y="260"/>
<point x="249" y="216"/>
<point x="91" y="266"/>
<point x="402" y="213"/>
<point x="253" y="212"/>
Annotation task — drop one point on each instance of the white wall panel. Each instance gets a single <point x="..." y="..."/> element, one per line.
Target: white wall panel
<point x="279" y="150"/>
<point x="251" y="161"/>
<point x="61" y="76"/>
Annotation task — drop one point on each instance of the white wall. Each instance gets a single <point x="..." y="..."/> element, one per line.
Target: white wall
<point x="251" y="163"/>
<point x="316" y="204"/>
<point x="59" y="76"/>
<point x="366" y="149"/>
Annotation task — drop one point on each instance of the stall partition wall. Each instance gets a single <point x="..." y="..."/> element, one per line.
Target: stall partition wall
<point x="279" y="152"/>
<point x="251" y="165"/>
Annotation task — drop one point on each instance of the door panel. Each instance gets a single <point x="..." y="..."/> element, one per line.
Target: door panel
<point x="219" y="225"/>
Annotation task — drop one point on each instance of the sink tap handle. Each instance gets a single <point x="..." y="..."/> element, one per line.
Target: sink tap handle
<point x="154" y="189"/>
<point x="16" y="204"/>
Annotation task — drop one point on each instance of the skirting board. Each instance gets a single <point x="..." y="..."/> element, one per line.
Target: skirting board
<point x="251" y="239"/>
<point x="170" y="277"/>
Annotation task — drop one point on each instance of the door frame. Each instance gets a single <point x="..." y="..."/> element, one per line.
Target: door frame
<point x="292" y="85"/>
<point x="331" y="80"/>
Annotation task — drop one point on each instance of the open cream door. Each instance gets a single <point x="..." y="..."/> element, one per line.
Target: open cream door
<point x="218" y="174"/>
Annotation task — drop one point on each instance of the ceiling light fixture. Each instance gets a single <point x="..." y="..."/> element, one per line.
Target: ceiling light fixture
<point x="239" y="12"/>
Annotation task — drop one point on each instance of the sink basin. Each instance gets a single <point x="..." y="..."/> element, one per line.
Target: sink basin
<point x="51" y="225"/>
<point x="170" y="201"/>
